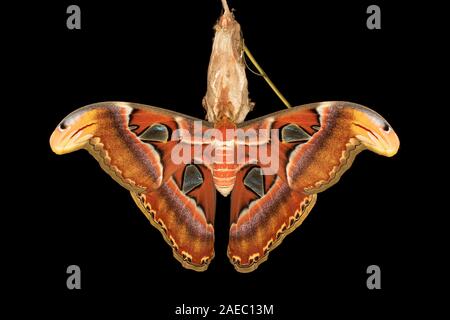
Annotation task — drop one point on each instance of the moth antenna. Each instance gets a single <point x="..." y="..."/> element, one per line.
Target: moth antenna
<point x="225" y="6"/>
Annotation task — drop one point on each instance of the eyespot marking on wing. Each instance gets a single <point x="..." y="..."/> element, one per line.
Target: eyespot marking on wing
<point x="254" y="180"/>
<point x="156" y="133"/>
<point x="293" y="133"/>
<point x="192" y="178"/>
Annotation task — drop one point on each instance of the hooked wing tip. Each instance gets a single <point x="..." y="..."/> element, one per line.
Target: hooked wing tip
<point x="73" y="132"/>
<point x="376" y="134"/>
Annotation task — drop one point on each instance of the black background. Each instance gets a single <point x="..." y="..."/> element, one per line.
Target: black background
<point x="156" y="53"/>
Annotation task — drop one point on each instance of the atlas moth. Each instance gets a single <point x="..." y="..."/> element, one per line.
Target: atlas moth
<point x="314" y="144"/>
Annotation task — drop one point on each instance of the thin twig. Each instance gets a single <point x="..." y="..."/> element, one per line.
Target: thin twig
<point x="266" y="77"/>
<point x="225" y="6"/>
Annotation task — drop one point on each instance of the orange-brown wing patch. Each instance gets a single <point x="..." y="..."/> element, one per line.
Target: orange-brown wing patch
<point x="185" y="225"/>
<point x="318" y="143"/>
<point x="133" y="144"/>
<point x="260" y="224"/>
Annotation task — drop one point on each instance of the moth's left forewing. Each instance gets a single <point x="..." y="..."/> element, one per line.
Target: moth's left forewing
<point x="317" y="144"/>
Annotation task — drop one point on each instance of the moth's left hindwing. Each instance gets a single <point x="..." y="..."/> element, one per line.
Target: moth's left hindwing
<point x="317" y="144"/>
<point x="133" y="143"/>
